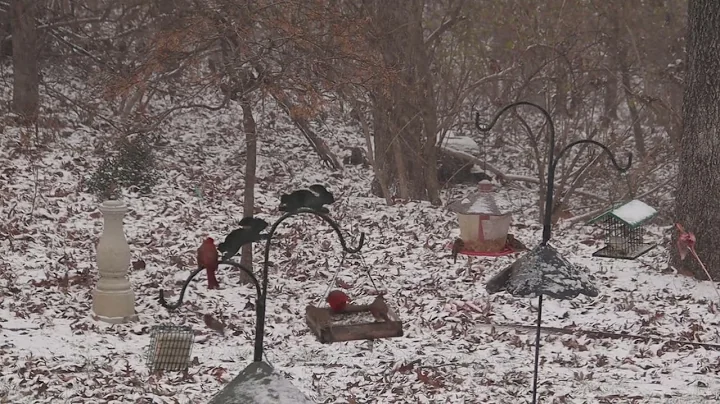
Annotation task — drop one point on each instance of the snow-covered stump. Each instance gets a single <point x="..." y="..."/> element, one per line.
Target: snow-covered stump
<point x="113" y="298"/>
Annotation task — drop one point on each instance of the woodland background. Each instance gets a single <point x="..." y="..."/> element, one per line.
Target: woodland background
<point x="200" y="112"/>
<point x="410" y="74"/>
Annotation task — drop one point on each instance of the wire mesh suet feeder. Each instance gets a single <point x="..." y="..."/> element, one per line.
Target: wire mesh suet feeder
<point x="624" y="230"/>
<point x="484" y="219"/>
<point x="170" y="348"/>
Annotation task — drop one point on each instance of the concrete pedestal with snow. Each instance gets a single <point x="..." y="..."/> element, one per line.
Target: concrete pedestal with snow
<point x="113" y="298"/>
<point x="258" y="383"/>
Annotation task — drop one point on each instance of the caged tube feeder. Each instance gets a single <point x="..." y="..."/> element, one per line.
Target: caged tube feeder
<point x="530" y="274"/>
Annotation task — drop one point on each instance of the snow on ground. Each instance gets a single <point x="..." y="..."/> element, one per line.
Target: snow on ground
<point x="51" y="347"/>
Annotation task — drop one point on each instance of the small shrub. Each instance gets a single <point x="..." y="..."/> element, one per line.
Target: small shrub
<point x="134" y="166"/>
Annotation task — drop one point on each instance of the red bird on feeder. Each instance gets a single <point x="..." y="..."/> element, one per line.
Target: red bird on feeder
<point x="337" y="300"/>
<point x="208" y="258"/>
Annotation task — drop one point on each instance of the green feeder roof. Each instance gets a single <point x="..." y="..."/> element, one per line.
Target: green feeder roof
<point x="631" y="214"/>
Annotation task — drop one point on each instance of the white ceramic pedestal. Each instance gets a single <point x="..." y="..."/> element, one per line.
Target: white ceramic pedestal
<point x="113" y="298"/>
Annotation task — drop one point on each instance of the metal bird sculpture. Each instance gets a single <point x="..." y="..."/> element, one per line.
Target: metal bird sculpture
<point x="313" y="198"/>
<point x="248" y="232"/>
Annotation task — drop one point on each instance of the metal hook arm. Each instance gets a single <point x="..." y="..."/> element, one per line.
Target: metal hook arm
<point x="174" y="306"/>
<point x="249" y="273"/>
<point x="547" y="220"/>
<point x="261" y="305"/>
<point x="488" y="127"/>
<point x="605" y="149"/>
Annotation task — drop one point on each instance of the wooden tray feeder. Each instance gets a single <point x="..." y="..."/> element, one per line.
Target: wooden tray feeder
<point x="354" y="322"/>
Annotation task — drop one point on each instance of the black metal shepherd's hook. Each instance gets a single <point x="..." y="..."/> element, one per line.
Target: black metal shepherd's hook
<point x="547" y="218"/>
<point x="261" y="288"/>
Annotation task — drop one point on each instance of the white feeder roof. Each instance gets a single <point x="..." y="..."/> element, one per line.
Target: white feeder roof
<point x="483" y="202"/>
<point x="632" y="214"/>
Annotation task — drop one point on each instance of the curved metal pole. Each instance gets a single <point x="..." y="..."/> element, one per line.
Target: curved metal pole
<point x="551" y="159"/>
<point x="262" y="299"/>
<point x="170" y="306"/>
<point x="488" y="127"/>
<point x="547" y="219"/>
<point x="547" y="222"/>
<point x="249" y="273"/>
<point x="173" y="306"/>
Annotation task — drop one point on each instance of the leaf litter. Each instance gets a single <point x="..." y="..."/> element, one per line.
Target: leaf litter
<point x="460" y="344"/>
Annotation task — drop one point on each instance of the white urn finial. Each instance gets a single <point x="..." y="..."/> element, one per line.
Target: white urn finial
<point x="113" y="298"/>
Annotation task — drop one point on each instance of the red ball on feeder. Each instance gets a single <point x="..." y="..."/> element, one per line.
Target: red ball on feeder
<point x="337" y="300"/>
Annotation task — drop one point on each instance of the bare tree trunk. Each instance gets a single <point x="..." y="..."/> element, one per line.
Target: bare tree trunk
<point x="632" y="107"/>
<point x="427" y="106"/>
<point x="371" y="152"/>
<point x="611" y="95"/>
<point x="250" y="129"/>
<point x="317" y="143"/>
<point x="698" y="193"/>
<point x="622" y="64"/>
<point x="404" y="109"/>
<point x="610" y="101"/>
<point x="26" y="96"/>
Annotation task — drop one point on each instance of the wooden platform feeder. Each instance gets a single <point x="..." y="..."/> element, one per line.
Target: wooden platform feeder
<point x="353" y="323"/>
<point x="484" y="220"/>
<point x="624" y="231"/>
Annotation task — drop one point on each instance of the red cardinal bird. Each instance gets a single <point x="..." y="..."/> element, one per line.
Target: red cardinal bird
<point x="337" y="300"/>
<point x="208" y="258"/>
<point x="685" y="241"/>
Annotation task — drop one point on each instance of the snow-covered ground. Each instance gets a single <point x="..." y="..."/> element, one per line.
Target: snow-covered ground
<point x="452" y="352"/>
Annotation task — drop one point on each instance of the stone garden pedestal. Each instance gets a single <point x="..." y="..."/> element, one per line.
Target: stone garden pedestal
<point x="113" y="298"/>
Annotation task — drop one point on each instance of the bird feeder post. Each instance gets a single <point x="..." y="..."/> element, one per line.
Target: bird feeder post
<point x="543" y="271"/>
<point x="113" y="298"/>
<point x="259" y="383"/>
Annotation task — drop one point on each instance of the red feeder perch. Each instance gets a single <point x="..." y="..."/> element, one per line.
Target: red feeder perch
<point x="484" y="220"/>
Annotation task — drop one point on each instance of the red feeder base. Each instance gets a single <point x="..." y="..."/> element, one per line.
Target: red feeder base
<point x="507" y="250"/>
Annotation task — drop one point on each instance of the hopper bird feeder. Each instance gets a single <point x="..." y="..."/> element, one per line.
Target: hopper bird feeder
<point x="484" y="218"/>
<point x="353" y="322"/>
<point x="624" y="231"/>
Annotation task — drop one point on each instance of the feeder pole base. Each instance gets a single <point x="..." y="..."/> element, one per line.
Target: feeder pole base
<point x="537" y="350"/>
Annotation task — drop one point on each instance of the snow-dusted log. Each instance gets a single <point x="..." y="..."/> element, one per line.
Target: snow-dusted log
<point x="508" y="177"/>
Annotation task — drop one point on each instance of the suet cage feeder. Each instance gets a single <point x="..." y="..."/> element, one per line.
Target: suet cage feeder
<point x="624" y="230"/>
<point x="484" y="219"/>
<point x="350" y="324"/>
<point x="170" y="348"/>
